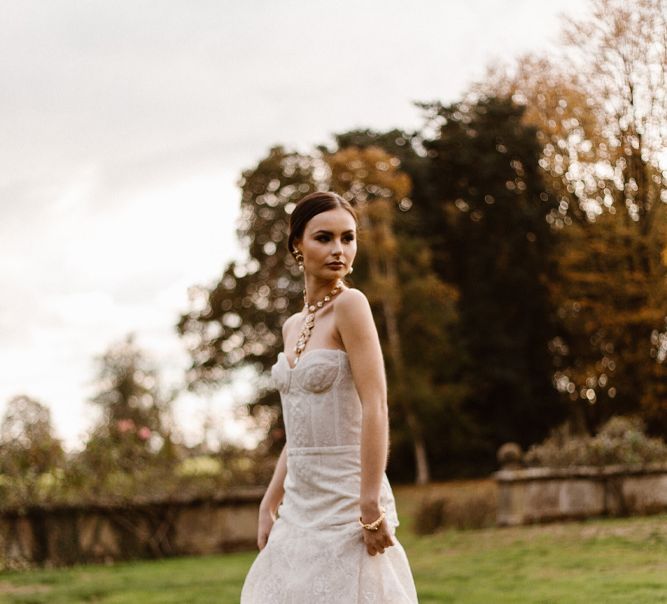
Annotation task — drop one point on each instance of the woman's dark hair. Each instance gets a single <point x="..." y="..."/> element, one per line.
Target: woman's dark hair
<point x="312" y="205"/>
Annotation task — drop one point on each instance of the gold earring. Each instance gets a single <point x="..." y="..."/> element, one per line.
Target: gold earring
<point x="299" y="258"/>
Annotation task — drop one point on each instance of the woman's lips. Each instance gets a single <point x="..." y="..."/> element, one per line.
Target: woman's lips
<point x="336" y="264"/>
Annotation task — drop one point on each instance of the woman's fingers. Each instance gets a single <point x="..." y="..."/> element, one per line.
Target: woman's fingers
<point x="378" y="543"/>
<point x="262" y="539"/>
<point x="265" y="522"/>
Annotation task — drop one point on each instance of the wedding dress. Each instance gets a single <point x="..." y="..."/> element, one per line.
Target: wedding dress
<point x="315" y="553"/>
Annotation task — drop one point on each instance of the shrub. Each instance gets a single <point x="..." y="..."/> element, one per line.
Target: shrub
<point x="621" y="440"/>
<point x="470" y="511"/>
<point x="430" y="516"/>
<point x="201" y="465"/>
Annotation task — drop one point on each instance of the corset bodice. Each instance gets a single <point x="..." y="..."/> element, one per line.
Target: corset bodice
<point x="320" y="403"/>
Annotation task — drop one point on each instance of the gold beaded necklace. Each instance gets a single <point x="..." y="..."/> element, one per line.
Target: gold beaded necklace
<point x="309" y="323"/>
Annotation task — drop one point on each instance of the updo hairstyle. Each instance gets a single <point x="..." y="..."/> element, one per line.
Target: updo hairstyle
<point x="312" y="205"/>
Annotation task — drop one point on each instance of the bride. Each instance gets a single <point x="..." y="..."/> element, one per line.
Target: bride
<point x="327" y="522"/>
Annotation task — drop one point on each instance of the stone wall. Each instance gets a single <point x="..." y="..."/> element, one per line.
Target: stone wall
<point x="530" y="495"/>
<point x="68" y="534"/>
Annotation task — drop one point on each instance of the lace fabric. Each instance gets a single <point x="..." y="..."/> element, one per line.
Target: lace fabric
<point x="315" y="552"/>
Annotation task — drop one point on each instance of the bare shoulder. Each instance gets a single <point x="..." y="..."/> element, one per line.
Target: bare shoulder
<point x="353" y="315"/>
<point x="351" y="301"/>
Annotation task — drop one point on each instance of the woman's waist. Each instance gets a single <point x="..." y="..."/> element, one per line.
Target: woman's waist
<point x="344" y="450"/>
<point x="333" y="472"/>
<point x="327" y="496"/>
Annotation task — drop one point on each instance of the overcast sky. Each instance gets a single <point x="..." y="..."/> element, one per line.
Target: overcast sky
<point x="124" y="126"/>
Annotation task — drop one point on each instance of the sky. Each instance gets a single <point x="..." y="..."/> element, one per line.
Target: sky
<point x="124" y="127"/>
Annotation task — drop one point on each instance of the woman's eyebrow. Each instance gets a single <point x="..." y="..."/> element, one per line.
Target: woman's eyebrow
<point x="330" y="233"/>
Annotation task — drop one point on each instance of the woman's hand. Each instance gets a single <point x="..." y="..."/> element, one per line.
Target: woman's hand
<point x="376" y="541"/>
<point x="265" y="524"/>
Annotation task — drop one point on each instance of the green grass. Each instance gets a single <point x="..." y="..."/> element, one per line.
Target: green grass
<point x="619" y="560"/>
<point x="602" y="560"/>
<point x="193" y="580"/>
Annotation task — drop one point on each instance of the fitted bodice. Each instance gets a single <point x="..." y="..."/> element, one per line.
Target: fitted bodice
<point x="321" y="405"/>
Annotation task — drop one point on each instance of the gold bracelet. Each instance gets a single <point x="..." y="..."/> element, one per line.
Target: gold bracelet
<point x="375" y="525"/>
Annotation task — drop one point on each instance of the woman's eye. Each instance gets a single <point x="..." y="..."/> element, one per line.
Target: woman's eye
<point x="325" y="238"/>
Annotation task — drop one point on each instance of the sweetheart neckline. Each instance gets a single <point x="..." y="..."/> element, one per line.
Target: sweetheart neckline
<point x="306" y="353"/>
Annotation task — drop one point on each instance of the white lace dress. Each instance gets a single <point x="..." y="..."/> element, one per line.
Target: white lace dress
<point x="315" y="553"/>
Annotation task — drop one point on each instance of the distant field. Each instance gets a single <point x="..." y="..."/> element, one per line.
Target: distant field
<point x="606" y="561"/>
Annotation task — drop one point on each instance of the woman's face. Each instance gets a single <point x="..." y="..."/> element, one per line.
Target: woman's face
<point x="329" y="237"/>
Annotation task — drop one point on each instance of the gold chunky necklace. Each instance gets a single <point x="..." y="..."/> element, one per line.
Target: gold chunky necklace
<point x="308" y="325"/>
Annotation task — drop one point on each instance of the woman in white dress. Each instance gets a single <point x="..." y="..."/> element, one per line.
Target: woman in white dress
<point x="327" y="521"/>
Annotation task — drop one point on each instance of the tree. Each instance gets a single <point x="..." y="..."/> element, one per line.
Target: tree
<point x="136" y="428"/>
<point x="30" y="454"/>
<point x="490" y="237"/>
<point x="28" y="446"/>
<point x="371" y="179"/>
<point x="620" y="56"/>
<point x="596" y="351"/>
<point x="237" y="322"/>
<point x="432" y="380"/>
<point x="601" y="112"/>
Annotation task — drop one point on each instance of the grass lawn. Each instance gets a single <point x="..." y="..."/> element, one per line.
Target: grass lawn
<point x="603" y="560"/>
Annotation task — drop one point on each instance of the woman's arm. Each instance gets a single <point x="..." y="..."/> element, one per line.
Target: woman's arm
<point x="354" y="321"/>
<point x="276" y="489"/>
<point x="271" y="500"/>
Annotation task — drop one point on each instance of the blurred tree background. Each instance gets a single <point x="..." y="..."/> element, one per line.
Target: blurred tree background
<point x="601" y="115"/>
<point x="30" y="454"/>
<point x="513" y="249"/>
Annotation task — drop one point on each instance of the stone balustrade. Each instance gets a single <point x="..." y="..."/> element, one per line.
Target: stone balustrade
<point x="59" y="535"/>
<point x="529" y="495"/>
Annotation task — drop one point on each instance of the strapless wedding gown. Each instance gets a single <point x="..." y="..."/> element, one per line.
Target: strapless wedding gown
<point x="315" y="553"/>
